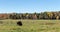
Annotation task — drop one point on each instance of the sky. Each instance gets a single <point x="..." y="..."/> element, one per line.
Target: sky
<point x="29" y="6"/>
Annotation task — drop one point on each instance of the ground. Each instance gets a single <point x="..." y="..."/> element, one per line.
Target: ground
<point x="30" y="26"/>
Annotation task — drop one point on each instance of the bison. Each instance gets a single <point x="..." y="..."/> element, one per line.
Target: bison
<point x="19" y="23"/>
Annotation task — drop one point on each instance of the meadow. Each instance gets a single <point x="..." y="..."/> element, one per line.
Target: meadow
<point x="30" y="26"/>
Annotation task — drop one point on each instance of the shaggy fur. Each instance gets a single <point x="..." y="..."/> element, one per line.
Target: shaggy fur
<point x="19" y="23"/>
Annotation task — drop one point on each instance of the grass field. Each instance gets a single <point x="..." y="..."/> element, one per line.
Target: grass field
<point x="30" y="26"/>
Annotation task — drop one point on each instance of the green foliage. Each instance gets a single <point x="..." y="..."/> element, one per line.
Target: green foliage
<point x="44" y="15"/>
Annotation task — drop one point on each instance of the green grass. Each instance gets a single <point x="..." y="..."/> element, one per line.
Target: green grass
<point x="30" y="26"/>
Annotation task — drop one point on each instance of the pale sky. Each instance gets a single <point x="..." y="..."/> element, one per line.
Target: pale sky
<point x="29" y="6"/>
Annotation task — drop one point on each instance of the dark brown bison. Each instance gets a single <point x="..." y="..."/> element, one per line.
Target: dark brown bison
<point x="19" y="23"/>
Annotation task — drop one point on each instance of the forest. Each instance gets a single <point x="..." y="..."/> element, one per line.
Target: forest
<point x="42" y="15"/>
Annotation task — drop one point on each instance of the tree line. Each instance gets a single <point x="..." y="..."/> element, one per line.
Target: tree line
<point x="43" y="15"/>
